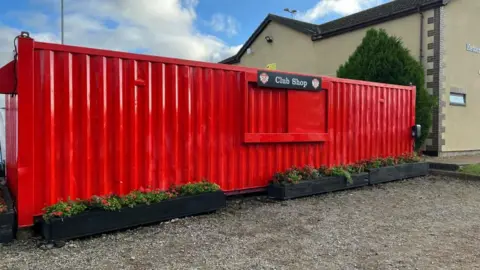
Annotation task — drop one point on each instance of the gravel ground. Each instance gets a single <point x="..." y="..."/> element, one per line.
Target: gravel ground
<point x="425" y="223"/>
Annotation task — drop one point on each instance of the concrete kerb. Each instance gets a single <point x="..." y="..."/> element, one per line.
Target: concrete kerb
<point x="451" y="170"/>
<point x="444" y="166"/>
<point x="455" y="174"/>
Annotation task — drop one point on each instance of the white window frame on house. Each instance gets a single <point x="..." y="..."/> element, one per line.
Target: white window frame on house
<point x="458" y="99"/>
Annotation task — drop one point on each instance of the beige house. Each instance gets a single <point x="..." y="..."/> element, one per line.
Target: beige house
<point x="443" y="34"/>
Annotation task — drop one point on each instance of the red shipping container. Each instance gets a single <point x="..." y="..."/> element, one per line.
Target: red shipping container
<point x="89" y="122"/>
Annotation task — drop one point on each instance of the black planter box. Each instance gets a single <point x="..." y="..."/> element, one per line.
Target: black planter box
<point x="7" y="219"/>
<point x="310" y="187"/>
<point x="358" y="180"/>
<point x="398" y="172"/>
<point x="102" y="221"/>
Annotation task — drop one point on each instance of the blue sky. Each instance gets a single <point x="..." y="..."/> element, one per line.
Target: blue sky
<point x="208" y="30"/>
<point x="250" y="14"/>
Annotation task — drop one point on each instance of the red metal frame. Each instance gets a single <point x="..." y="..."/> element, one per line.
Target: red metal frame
<point x="285" y="137"/>
<point x="295" y="113"/>
<point x="92" y="122"/>
<point x="25" y="128"/>
<point x="7" y="80"/>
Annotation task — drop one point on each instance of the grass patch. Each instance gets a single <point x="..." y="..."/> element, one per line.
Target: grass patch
<point x="471" y="169"/>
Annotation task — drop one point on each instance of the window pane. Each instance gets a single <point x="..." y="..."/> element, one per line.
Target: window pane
<point x="457" y="98"/>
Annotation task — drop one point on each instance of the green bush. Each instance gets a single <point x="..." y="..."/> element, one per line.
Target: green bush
<point x="383" y="58"/>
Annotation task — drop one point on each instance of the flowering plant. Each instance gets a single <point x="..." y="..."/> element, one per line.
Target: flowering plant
<point x="358" y="167"/>
<point x="408" y="158"/>
<point x="391" y="161"/>
<point x="109" y="202"/>
<point x="381" y="162"/>
<point x="146" y="196"/>
<point x="337" y="171"/>
<point x="194" y="188"/>
<point x="65" y="209"/>
<point x="308" y="172"/>
<point x="114" y="202"/>
<point x="3" y="206"/>
<point x="291" y="175"/>
<point x="295" y="174"/>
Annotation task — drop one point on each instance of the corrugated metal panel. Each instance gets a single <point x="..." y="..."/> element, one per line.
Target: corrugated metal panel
<point x="266" y="110"/>
<point x="371" y="121"/>
<point x="11" y="132"/>
<point x="111" y="122"/>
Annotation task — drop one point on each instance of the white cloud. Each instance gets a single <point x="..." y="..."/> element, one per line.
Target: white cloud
<point x="29" y="19"/>
<point x="165" y="27"/>
<point x="340" y="7"/>
<point x="7" y="36"/>
<point x="224" y="23"/>
<point x="6" y="44"/>
<point x="232" y="51"/>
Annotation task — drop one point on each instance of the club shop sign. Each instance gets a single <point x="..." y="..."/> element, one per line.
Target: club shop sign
<point x="289" y="81"/>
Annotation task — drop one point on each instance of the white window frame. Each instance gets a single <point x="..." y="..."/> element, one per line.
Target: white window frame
<point x="460" y="99"/>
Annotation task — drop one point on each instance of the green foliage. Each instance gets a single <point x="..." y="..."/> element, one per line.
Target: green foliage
<point x="291" y="176"/>
<point x="294" y="175"/>
<point x="146" y="196"/>
<point x="337" y="171"/>
<point x="308" y="172"/>
<point x="408" y="158"/>
<point x="383" y="58"/>
<point x="190" y="189"/>
<point x="341" y="171"/>
<point x="471" y="169"/>
<point x="110" y="202"/>
<point x="356" y="168"/>
<point x="391" y="161"/>
<point x="65" y="209"/>
<point x="376" y="163"/>
<point x="383" y="162"/>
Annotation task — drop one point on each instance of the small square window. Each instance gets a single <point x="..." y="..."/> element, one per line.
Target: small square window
<point x="457" y="99"/>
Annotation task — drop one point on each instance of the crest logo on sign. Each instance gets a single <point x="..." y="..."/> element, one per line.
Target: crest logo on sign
<point x="315" y="83"/>
<point x="264" y="78"/>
